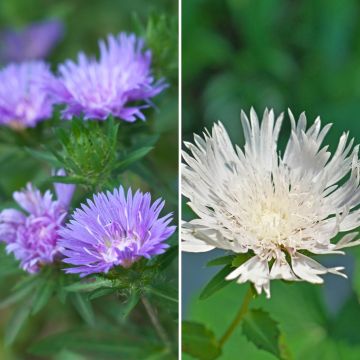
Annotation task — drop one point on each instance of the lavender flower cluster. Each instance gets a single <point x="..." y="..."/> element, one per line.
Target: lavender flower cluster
<point x="119" y="83"/>
<point x="113" y="229"/>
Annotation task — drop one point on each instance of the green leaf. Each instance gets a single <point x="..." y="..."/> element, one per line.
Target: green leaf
<point x="44" y="156"/>
<point x="263" y="332"/>
<point x="89" y="285"/>
<point x="84" y="308"/>
<point x="217" y="283"/>
<point x="164" y="294"/>
<point x="129" y="305"/>
<point x="239" y="259"/>
<point x="101" y="292"/>
<point x="164" y="260"/>
<point x="223" y="260"/>
<point x="69" y="179"/>
<point x="132" y="157"/>
<point x="20" y="293"/>
<point x="199" y="342"/>
<point x="15" y="324"/>
<point x="43" y="295"/>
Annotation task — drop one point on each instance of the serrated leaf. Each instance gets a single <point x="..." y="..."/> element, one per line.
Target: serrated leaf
<point x="89" y="285"/>
<point x="217" y="283"/>
<point x="263" y="332"/>
<point x="132" y="157"/>
<point x="84" y="308"/>
<point x="199" y="342"/>
<point x="223" y="260"/>
<point x="43" y="295"/>
<point x="15" y="324"/>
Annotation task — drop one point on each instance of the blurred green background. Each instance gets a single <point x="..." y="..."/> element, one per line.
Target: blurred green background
<point x="85" y="22"/>
<point x="303" y="55"/>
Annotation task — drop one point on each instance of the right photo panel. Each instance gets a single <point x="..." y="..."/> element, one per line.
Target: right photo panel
<point x="270" y="180"/>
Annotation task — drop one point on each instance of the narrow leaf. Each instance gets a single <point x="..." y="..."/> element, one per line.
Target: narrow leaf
<point x="223" y="260"/>
<point x="43" y="295"/>
<point x="84" y="308"/>
<point x="68" y="179"/>
<point x="20" y="294"/>
<point x="162" y="294"/>
<point x="91" y="285"/>
<point x="15" y="324"/>
<point x="44" y="156"/>
<point x="216" y="283"/>
<point x="132" y="157"/>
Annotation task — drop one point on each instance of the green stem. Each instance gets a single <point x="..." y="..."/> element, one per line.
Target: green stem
<point x="239" y="316"/>
<point x="156" y="323"/>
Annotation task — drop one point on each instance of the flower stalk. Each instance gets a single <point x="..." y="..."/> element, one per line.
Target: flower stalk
<point x="238" y="318"/>
<point x="156" y="323"/>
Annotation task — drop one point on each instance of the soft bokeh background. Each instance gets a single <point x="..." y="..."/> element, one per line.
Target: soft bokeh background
<point x="304" y="55"/>
<point x="84" y="23"/>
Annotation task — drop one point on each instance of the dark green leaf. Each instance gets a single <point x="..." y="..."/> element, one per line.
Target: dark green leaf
<point x="223" y="260"/>
<point x="84" y="308"/>
<point x="216" y="283"/>
<point x="44" y="156"/>
<point x="167" y="295"/>
<point x="129" y="305"/>
<point x="263" y="332"/>
<point x="89" y="285"/>
<point x="20" y="292"/>
<point x="132" y="157"/>
<point x="239" y="259"/>
<point x="69" y="179"/>
<point x="15" y="324"/>
<point x="166" y="259"/>
<point x="43" y="295"/>
<point x="101" y="292"/>
<point x="199" y="342"/>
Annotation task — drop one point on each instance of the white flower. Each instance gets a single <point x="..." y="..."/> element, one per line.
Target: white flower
<point x="273" y="206"/>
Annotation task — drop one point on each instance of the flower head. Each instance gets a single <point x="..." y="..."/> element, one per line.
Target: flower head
<point x="23" y="101"/>
<point x="108" y="86"/>
<point x="32" y="234"/>
<point x="274" y="207"/>
<point x="33" y="42"/>
<point x="114" y="229"/>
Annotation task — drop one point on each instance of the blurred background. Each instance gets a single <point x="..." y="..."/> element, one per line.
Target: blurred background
<point x="303" y="55"/>
<point x="58" y="30"/>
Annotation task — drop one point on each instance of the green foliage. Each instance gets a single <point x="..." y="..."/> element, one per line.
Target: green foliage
<point x="216" y="283"/>
<point x="88" y="152"/>
<point x="199" y="342"/>
<point x="263" y="331"/>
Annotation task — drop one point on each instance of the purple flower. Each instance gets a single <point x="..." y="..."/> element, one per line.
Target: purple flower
<point x="33" y="236"/>
<point x="33" y="42"/>
<point x="23" y="101"/>
<point x="108" y="86"/>
<point x="114" y="229"/>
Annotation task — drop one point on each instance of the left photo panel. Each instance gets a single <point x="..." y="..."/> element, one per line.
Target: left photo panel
<point x="89" y="180"/>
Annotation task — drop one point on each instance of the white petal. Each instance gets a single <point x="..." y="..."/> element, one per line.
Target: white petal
<point x="256" y="271"/>
<point x="282" y="270"/>
<point x="347" y="241"/>
<point x="305" y="269"/>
